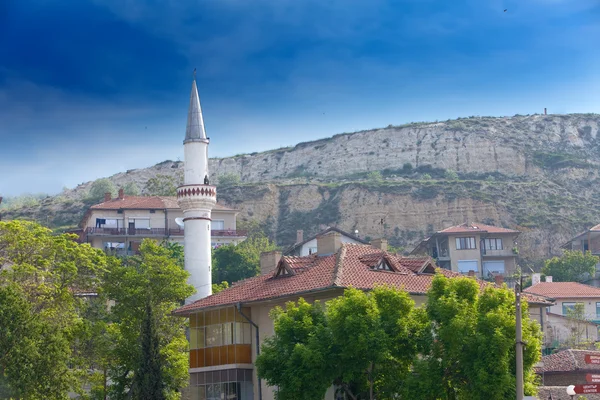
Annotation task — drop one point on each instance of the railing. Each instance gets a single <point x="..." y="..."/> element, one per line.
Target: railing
<point x="157" y="232"/>
<point x="497" y="253"/>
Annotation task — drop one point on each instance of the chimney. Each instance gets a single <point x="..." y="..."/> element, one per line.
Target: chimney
<point x="299" y="236"/>
<point x="471" y="273"/>
<point x="381" y="244"/>
<point x="499" y="279"/>
<point x="545" y="111"/>
<point x="329" y="243"/>
<point x="548" y="279"/>
<point x="269" y="261"/>
<point x="107" y="196"/>
<point x="121" y="194"/>
<point x="536" y="278"/>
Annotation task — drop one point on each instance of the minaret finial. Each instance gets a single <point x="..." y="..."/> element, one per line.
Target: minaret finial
<point x="194" y="73"/>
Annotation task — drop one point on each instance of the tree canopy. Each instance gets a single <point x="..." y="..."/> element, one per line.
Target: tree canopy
<point x="378" y="345"/>
<point x="234" y="262"/>
<point x="99" y="188"/>
<point x="572" y="266"/>
<point x="363" y="343"/>
<point x="40" y="274"/>
<point x="71" y="317"/>
<point x="162" y="185"/>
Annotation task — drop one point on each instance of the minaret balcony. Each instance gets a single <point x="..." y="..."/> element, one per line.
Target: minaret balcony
<point x="196" y="196"/>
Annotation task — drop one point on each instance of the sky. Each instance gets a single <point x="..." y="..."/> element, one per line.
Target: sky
<point x="89" y="88"/>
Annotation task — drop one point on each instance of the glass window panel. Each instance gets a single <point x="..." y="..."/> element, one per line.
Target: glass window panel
<point x="202" y="393"/>
<point x="200" y="340"/>
<point x="597" y="310"/>
<point x="238" y="335"/>
<point x="193" y="338"/>
<point x="228" y="333"/>
<point x="142" y="223"/>
<point x="247" y="339"/>
<point x="223" y="377"/>
<point x="201" y="378"/>
<point x="214" y="335"/>
<point x="218" y="225"/>
<point x="200" y="319"/>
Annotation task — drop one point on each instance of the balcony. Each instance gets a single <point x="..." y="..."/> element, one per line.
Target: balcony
<point x="497" y="253"/>
<point x="157" y="232"/>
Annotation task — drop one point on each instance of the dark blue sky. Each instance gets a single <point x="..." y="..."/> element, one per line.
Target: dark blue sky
<point x="89" y="88"/>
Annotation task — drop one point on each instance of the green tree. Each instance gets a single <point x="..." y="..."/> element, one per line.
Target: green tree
<point x="451" y="175"/>
<point x="473" y="356"/>
<point x="572" y="266"/>
<point x="162" y="185"/>
<point x="232" y="263"/>
<point x="39" y="274"/>
<point x="375" y="176"/>
<point x="364" y="343"/>
<point x="99" y="188"/>
<point x="131" y="189"/>
<point x="218" y="287"/>
<point x="230" y="179"/>
<point x="146" y="289"/>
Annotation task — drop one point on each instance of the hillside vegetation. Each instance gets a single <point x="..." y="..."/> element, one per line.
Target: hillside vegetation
<point x="538" y="174"/>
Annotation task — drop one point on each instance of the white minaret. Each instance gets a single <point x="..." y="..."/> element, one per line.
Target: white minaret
<point x="196" y="197"/>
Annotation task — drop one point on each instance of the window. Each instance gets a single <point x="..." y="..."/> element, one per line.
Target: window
<point x="140" y="223"/>
<point x="597" y="310"/>
<point x="493" y="244"/>
<point x="465" y="243"/>
<point x="493" y="267"/>
<point x="218" y="225"/>
<point x="464" y="266"/>
<point x="312" y="250"/>
<point x="566" y="306"/>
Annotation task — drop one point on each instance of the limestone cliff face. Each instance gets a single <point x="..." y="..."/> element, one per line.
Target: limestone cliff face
<point x="538" y="174"/>
<point x="472" y="145"/>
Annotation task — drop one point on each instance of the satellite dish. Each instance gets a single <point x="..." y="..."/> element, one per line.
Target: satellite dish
<point x="179" y="221"/>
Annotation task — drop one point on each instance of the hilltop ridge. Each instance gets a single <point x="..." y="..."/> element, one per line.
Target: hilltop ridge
<point x="536" y="173"/>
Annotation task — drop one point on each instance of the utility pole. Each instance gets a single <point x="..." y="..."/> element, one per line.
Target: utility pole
<point x="519" y="344"/>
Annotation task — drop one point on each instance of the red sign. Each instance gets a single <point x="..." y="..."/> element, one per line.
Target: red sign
<point x="582" y="389"/>
<point x="591" y="359"/>
<point x="592" y="378"/>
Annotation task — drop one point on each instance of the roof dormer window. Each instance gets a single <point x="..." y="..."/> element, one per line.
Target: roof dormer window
<point x="382" y="266"/>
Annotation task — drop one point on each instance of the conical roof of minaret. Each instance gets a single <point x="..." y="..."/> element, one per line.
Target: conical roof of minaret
<point x="195" y="123"/>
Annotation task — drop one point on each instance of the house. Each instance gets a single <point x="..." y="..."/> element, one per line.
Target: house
<point x="121" y="223"/>
<point x="568" y="367"/>
<point x="586" y="241"/>
<point x="487" y="250"/>
<point x="560" y="328"/>
<point x="305" y="247"/>
<point x="226" y="329"/>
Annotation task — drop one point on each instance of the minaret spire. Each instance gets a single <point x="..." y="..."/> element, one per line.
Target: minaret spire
<point x="195" y="123"/>
<point x="196" y="198"/>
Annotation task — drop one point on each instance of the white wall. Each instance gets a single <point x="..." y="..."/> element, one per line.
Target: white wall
<point x="304" y="250"/>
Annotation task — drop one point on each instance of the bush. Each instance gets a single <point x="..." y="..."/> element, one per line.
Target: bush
<point x="451" y="175"/>
<point x="426" y="177"/>
<point x="375" y="176"/>
<point x="229" y="179"/>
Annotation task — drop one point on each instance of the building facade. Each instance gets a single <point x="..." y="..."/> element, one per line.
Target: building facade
<point x="120" y="224"/>
<point x="232" y="324"/>
<point x="487" y="250"/>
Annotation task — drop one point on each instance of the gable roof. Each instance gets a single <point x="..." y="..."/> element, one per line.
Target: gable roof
<point x="558" y="290"/>
<point x="567" y="361"/>
<point x="476" y="227"/>
<point x="351" y="266"/>
<point x="293" y="247"/>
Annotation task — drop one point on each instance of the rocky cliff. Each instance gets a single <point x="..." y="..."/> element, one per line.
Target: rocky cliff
<point x="539" y="174"/>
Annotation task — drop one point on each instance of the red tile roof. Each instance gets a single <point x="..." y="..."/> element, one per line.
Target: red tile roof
<point x="350" y="266"/>
<point x="559" y="290"/>
<point x="567" y="361"/>
<point x="476" y="227"/>
<point x="145" y="203"/>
